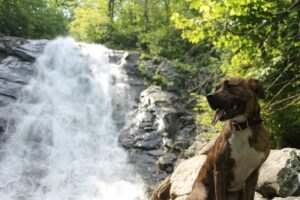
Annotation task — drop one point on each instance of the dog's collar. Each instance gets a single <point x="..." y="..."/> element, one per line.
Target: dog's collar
<point x="239" y="126"/>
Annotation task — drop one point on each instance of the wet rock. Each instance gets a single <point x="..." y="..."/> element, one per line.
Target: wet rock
<point x="167" y="159"/>
<point x="116" y="56"/>
<point x="159" y="124"/>
<point x="6" y="100"/>
<point x="145" y="165"/>
<point x="157" y="152"/>
<point x="148" y="144"/>
<point x="127" y="139"/>
<point x="9" y="88"/>
<point x="280" y="174"/>
<point x="166" y="162"/>
<point x="17" y="58"/>
<point x="133" y="57"/>
<point x="129" y="61"/>
<point x="25" y="50"/>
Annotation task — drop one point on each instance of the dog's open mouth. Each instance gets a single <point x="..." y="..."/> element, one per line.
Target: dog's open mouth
<point x="228" y="112"/>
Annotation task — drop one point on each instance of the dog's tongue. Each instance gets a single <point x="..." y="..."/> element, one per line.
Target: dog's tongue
<point x="217" y="116"/>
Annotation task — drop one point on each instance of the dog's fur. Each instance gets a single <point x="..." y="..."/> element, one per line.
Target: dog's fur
<point x="230" y="171"/>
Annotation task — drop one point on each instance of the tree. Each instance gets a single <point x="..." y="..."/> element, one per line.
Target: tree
<point x="256" y="38"/>
<point x="91" y="21"/>
<point x="32" y="19"/>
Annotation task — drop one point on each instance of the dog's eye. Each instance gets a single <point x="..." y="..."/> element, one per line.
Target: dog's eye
<point x="227" y="85"/>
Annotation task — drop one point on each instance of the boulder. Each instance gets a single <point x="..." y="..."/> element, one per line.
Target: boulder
<point x="259" y="196"/>
<point x="280" y="174"/>
<point x="287" y="198"/>
<point x="183" y="177"/>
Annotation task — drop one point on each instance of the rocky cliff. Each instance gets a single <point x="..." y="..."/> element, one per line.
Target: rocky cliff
<point x="17" y="58"/>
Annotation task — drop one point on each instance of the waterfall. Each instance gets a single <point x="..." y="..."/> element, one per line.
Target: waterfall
<point x="65" y="126"/>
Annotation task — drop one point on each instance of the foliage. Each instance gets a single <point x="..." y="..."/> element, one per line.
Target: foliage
<point x="156" y="77"/>
<point x="255" y="38"/>
<point x="142" y="25"/>
<point x="91" y="22"/>
<point x="32" y="19"/>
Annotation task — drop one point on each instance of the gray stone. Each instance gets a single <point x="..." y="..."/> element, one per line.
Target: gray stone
<point x="167" y="142"/>
<point x="165" y="68"/>
<point x="13" y="70"/>
<point x="280" y="174"/>
<point x="9" y="88"/>
<point x="167" y="159"/>
<point x="6" y="100"/>
<point x="116" y="56"/>
<point x="133" y="57"/>
<point x="182" y="144"/>
<point x="145" y="124"/>
<point x="157" y="152"/>
<point x="148" y="144"/>
<point x="23" y="55"/>
<point x="127" y="140"/>
<point x="26" y="50"/>
<point x="131" y="69"/>
<point x="151" y="136"/>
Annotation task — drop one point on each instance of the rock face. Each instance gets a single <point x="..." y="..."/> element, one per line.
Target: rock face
<point x="161" y="129"/>
<point x="176" y="82"/>
<point x="280" y="174"/>
<point x="17" y="58"/>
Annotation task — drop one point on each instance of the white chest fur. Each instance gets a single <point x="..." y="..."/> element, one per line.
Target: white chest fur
<point x="246" y="158"/>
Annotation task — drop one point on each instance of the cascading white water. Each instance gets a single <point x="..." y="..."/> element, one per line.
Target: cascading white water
<point x="64" y="145"/>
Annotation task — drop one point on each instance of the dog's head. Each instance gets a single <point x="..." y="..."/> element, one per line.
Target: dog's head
<point x="236" y="99"/>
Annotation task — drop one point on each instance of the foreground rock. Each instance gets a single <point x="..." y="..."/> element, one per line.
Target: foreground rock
<point x="183" y="178"/>
<point x="278" y="180"/>
<point x="280" y="174"/>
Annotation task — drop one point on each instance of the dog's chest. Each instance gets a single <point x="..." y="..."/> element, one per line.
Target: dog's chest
<point x="246" y="158"/>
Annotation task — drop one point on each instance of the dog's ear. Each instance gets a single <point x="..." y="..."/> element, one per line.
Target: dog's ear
<point x="257" y="87"/>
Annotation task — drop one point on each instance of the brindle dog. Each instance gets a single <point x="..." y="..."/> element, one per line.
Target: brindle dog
<point x="230" y="171"/>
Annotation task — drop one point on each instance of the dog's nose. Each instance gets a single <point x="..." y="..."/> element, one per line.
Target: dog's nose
<point x="209" y="97"/>
<point x="212" y="101"/>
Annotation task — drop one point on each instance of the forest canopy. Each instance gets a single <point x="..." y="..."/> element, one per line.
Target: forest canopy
<point x="249" y="38"/>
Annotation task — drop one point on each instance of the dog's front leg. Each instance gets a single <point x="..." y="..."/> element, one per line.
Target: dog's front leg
<point x="219" y="179"/>
<point x="249" y="190"/>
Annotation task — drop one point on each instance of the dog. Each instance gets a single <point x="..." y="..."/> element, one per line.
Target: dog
<point x="231" y="169"/>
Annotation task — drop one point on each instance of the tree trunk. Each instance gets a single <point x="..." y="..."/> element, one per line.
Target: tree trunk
<point x="146" y="15"/>
<point x="111" y="10"/>
<point x="167" y="7"/>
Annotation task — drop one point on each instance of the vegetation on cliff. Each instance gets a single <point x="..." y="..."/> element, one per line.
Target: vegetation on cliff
<point x="216" y="38"/>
